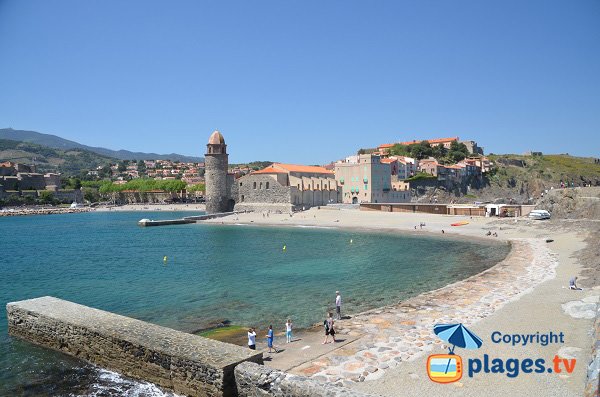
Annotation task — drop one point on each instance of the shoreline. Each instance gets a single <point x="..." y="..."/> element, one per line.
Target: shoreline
<point x="386" y="350"/>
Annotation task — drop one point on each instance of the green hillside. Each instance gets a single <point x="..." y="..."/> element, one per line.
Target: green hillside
<point x="545" y="170"/>
<point x="69" y="162"/>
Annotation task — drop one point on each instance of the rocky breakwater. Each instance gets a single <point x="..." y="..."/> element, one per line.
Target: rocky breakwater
<point x="42" y="211"/>
<point x="185" y="363"/>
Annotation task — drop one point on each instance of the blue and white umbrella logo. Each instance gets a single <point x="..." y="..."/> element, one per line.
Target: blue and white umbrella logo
<point x="457" y="335"/>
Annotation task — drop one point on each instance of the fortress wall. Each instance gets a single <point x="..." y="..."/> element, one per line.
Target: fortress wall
<point x="185" y="363"/>
<point x="257" y="380"/>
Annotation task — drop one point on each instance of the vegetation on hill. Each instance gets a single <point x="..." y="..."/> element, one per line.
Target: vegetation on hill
<point x="254" y="165"/>
<point x="70" y="162"/>
<point x="547" y="170"/>
<point x="421" y="150"/>
<point x="142" y="185"/>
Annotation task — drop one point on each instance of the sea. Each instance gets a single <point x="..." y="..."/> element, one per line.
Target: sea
<point x="196" y="276"/>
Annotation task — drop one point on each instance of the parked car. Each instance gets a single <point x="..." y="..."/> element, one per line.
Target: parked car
<point x="539" y="214"/>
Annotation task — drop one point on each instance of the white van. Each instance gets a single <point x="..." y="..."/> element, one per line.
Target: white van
<point x="539" y="214"/>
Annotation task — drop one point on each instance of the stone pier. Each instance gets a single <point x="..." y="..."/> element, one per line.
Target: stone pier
<point x="185" y="363"/>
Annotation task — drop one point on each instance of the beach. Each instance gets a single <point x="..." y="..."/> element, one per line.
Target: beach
<point x="527" y="294"/>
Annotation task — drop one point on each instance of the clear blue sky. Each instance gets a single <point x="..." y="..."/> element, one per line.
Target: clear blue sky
<point x="303" y="81"/>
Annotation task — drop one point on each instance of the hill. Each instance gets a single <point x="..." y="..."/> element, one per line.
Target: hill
<point x="518" y="178"/>
<point x="57" y="142"/>
<point x="69" y="162"/>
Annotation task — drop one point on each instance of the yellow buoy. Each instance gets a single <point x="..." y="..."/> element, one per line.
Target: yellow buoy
<point x="165" y="259"/>
<point x="284" y="247"/>
<point x="350" y="241"/>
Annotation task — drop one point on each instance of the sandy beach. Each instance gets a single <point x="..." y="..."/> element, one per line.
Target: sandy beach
<point x="385" y="350"/>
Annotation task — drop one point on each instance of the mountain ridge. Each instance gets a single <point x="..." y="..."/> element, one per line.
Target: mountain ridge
<point x="56" y="142"/>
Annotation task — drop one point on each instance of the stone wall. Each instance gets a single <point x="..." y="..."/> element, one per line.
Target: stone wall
<point x="185" y="363"/>
<point x="257" y="380"/>
<point x="253" y="189"/>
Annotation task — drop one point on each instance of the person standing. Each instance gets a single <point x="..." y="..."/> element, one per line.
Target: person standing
<point x="338" y="305"/>
<point x="252" y="338"/>
<point x="270" y="338"/>
<point x="288" y="330"/>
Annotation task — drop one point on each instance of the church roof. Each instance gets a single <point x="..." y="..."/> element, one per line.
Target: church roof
<point x="216" y="138"/>
<point x="269" y="170"/>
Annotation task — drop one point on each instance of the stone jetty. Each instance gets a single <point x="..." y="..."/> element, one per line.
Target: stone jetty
<point x="185" y="363"/>
<point x="42" y="211"/>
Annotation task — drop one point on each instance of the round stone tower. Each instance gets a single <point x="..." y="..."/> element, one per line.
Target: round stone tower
<point x="215" y="174"/>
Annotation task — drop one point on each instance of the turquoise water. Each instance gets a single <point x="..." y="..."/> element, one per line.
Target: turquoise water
<point x="214" y="273"/>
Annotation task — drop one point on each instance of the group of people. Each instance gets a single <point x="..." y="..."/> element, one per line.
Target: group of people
<point x="489" y="233"/>
<point x="328" y="324"/>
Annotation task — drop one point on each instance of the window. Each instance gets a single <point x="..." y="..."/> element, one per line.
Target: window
<point x="242" y="197"/>
<point x="240" y="183"/>
<point x="261" y="185"/>
<point x="254" y="185"/>
<point x="267" y="186"/>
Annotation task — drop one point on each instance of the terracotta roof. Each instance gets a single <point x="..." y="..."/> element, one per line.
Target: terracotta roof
<point x="303" y="168"/>
<point x="386" y="145"/>
<point x="388" y="161"/>
<point x="431" y="141"/>
<point x="269" y="170"/>
<point x="216" y="138"/>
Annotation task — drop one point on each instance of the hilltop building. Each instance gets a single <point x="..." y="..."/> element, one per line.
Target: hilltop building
<point x="446" y="142"/>
<point x="287" y="187"/>
<point x="365" y="178"/>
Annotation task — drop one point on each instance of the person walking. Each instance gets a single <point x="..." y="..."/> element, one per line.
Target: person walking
<point x="270" y="338"/>
<point x="329" y="330"/>
<point x="338" y="305"/>
<point x="288" y="330"/>
<point x="252" y="338"/>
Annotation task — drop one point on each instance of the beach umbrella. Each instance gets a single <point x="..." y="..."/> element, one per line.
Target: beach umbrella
<point x="457" y="335"/>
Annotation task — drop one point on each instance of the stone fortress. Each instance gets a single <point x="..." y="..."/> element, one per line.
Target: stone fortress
<point x="278" y="188"/>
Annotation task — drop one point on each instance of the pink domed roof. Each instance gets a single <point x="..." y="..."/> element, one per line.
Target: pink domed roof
<point x="216" y="139"/>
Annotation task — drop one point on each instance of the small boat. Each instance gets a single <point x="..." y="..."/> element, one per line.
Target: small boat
<point x="461" y="223"/>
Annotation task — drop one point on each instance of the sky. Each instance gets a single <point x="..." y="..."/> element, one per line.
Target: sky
<point x="303" y="82"/>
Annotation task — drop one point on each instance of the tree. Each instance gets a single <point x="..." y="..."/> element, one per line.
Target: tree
<point x="46" y="197"/>
<point x="458" y="151"/>
<point x="439" y="151"/>
<point x="400" y="150"/>
<point x="122" y="166"/>
<point x="420" y="150"/>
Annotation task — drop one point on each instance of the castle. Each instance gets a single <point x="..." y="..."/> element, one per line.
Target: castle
<point x="278" y="188"/>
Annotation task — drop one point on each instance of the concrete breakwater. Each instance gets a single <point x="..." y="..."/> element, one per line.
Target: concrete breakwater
<point x="185" y="363"/>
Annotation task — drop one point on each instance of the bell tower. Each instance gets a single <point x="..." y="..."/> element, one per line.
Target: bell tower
<point x="216" y="163"/>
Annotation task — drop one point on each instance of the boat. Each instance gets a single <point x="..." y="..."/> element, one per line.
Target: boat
<point x="461" y="223"/>
<point x="539" y="214"/>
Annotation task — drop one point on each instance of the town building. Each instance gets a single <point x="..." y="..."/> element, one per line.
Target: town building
<point x="287" y="187"/>
<point x="366" y="179"/>
<point x="277" y="188"/>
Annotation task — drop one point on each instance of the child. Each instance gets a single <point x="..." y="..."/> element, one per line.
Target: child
<point x="270" y="337"/>
<point x="288" y="330"/>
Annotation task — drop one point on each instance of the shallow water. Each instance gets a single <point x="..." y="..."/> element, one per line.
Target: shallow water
<point x="213" y="273"/>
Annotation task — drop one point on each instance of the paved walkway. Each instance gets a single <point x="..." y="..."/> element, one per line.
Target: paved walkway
<point x="306" y="347"/>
